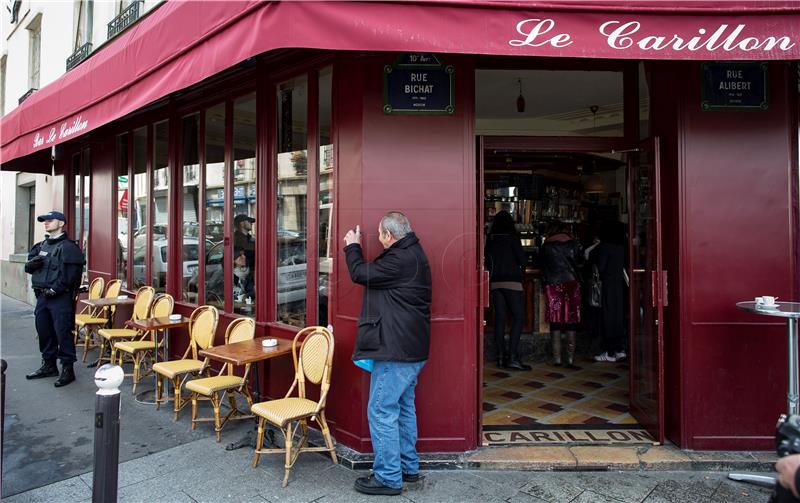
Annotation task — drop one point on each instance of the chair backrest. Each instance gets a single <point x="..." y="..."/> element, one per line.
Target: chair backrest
<point x="313" y="360"/>
<point x="113" y="288"/>
<point x="162" y="306"/>
<point x="202" y="327"/>
<point x="239" y="330"/>
<point x="96" y="288"/>
<point x="144" y="299"/>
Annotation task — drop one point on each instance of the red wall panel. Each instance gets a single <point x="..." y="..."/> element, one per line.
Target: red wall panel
<point x="737" y="243"/>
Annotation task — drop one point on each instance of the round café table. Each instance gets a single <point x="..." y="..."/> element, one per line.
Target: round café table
<point x="790" y="311"/>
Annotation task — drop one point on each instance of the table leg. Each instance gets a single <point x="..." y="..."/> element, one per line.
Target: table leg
<point x="249" y="440"/>
<point x="793" y="392"/>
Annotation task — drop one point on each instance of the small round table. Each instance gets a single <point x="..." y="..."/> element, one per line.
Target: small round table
<point x="791" y="311"/>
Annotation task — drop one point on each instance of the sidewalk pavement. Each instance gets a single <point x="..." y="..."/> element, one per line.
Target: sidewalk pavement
<point x="49" y="446"/>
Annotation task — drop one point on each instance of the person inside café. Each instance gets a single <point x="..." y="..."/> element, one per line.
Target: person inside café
<point x="243" y="238"/>
<point x="243" y="284"/>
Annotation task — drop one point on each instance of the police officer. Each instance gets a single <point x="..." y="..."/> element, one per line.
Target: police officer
<point x="56" y="265"/>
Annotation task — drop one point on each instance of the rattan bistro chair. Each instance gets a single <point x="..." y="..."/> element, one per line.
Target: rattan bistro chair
<point x="213" y="388"/>
<point x="202" y="327"/>
<point x="142" y="348"/>
<point x="141" y="309"/>
<point x="313" y="362"/>
<point x="88" y="322"/>
<point x="95" y="292"/>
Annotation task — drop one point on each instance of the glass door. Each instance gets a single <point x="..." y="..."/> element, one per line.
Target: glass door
<point x="647" y="290"/>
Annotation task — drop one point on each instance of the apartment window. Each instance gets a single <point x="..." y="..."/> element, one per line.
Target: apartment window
<point x="34" y="51"/>
<point x="3" y="85"/>
<point x="82" y="22"/>
<point x="121" y="5"/>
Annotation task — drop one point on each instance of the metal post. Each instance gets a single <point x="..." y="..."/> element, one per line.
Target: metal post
<point x="3" y="367"/>
<point x="793" y="392"/>
<point x="106" y="433"/>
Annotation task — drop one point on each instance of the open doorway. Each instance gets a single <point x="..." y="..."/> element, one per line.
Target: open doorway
<point x="579" y="394"/>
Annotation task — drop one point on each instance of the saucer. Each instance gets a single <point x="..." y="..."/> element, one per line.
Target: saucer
<point x="768" y="307"/>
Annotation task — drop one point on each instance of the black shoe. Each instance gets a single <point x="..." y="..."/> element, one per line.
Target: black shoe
<point x="48" y="369"/>
<point x="412" y="477"/>
<point x="66" y="377"/>
<point x="371" y="485"/>
<point x="516" y="364"/>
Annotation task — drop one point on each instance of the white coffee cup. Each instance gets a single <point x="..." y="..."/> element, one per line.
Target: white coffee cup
<point x="759" y="300"/>
<point x="268" y="343"/>
<point x="768" y="300"/>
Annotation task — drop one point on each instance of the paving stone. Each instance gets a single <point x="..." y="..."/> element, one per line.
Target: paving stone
<point x="737" y="492"/>
<point x="521" y="497"/>
<point x="525" y="458"/>
<point x="459" y="486"/>
<point x="680" y="489"/>
<point x="593" y="497"/>
<point x="621" y="486"/>
<point x="65" y="491"/>
<point x="605" y="457"/>
<point x="723" y="460"/>
<point x="664" y="458"/>
<point x="552" y="487"/>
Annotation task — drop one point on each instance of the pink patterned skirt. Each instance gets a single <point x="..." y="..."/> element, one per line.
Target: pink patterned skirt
<point x="563" y="302"/>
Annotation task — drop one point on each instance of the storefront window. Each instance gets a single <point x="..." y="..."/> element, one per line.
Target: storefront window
<point x="138" y="213"/>
<point x="122" y="208"/>
<point x="160" y="237"/>
<point x="190" y="131"/>
<point x="553" y="103"/>
<point x="76" y="231"/>
<point x="292" y="175"/>
<point x="326" y="166"/>
<point x="215" y="205"/>
<point x="244" y="205"/>
<point x="85" y="205"/>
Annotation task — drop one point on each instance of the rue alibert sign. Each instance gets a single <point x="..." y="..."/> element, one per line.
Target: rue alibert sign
<point x="418" y="83"/>
<point x="734" y="86"/>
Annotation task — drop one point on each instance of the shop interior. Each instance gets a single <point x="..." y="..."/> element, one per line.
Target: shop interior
<point x="583" y="191"/>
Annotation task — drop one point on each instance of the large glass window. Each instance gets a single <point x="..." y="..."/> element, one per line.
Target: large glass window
<point x="215" y="205"/>
<point x="160" y="237"/>
<point x="190" y="135"/>
<point x="244" y="205"/>
<point x="138" y="213"/>
<point x="83" y="239"/>
<point x="549" y="103"/>
<point x="326" y="167"/>
<point x="122" y="207"/>
<point x="292" y="177"/>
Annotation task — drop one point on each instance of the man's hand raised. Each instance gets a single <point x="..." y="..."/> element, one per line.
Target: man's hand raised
<point x="353" y="236"/>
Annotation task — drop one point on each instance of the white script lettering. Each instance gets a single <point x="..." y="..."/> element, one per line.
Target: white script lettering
<point x="541" y="27"/>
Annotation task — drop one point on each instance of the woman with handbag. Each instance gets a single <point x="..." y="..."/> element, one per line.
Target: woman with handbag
<point x="562" y="258"/>
<point x="608" y="263"/>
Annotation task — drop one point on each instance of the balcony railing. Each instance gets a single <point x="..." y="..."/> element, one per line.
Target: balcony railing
<point x="25" y="96"/>
<point x="79" y="55"/>
<point x="125" y="18"/>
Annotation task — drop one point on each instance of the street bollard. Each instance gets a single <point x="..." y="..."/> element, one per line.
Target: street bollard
<point x="106" y="433"/>
<point x="3" y="366"/>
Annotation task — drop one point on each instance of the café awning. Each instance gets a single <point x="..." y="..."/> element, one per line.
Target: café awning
<point x="181" y="43"/>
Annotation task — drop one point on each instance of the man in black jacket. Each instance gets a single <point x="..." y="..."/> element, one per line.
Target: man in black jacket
<point x="394" y="331"/>
<point x="55" y="266"/>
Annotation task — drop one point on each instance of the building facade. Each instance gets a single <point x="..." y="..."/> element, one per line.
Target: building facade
<point x="301" y="120"/>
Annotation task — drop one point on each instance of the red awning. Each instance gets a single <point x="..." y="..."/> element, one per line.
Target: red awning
<point x="181" y="43"/>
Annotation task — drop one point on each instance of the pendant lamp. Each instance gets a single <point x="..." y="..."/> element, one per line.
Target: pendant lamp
<point x="520" y="98"/>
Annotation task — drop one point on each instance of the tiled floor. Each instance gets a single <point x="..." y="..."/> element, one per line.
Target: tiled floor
<point x="594" y="394"/>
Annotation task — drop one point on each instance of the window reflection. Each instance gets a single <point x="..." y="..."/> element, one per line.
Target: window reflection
<point x="292" y="176"/>
<point x="244" y="205"/>
<point x="158" y="269"/>
<point x="138" y="212"/>
<point x="122" y="208"/>
<point x="215" y="205"/>
<point x="190" y="130"/>
<point x="83" y="237"/>
<point x="326" y="167"/>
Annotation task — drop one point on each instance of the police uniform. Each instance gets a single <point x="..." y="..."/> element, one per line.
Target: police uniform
<point x="56" y="266"/>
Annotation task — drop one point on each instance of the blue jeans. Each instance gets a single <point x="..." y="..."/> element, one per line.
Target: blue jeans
<point x="393" y="420"/>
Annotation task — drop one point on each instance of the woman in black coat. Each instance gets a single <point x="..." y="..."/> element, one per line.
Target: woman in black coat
<point x="609" y="257"/>
<point x="505" y="261"/>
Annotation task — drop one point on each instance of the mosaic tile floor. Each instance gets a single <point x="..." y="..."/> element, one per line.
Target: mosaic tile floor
<point x="593" y="394"/>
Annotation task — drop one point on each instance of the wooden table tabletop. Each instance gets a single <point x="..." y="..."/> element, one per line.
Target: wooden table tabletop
<point x="158" y="323"/>
<point x="106" y="302"/>
<point x="241" y="353"/>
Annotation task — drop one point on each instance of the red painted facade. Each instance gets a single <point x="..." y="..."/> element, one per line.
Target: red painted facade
<point x="729" y="194"/>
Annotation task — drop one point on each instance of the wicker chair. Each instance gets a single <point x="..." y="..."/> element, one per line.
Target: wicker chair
<point x="313" y="362"/>
<point x="95" y="292"/>
<point x="213" y="388"/>
<point x="202" y="327"/>
<point x="141" y="309"/>
<point x="142" y="348"/>
<point x="88" y="322"/>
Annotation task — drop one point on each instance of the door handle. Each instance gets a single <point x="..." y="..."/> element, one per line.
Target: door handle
<point x="664" y="289"/>
<point x="485" y="277"/>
